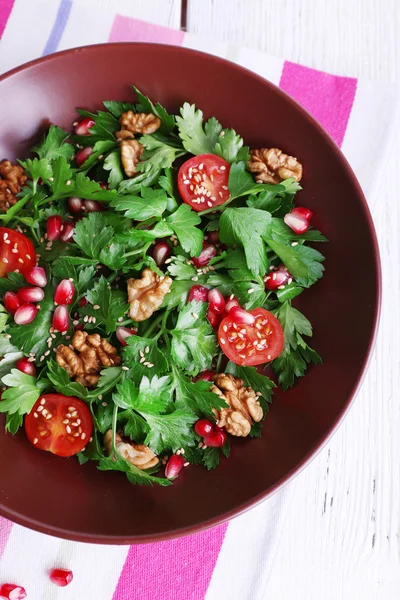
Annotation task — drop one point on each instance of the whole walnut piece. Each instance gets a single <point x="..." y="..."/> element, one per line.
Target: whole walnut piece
<point x="139" y="122"/>
<point x="92" y="354"/>
<point x="131" y="151"/>
<point x="244" y="407"/>
<point x="145" y="295"/>
<point x="12" y="178"/>
<point x="139" y="455"/>
<point x="273" y="166"/>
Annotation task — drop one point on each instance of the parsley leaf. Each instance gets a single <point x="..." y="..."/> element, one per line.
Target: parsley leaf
<point x="159" y="153"/>
<point x="134" y="474"/>
<point x="179" y="268"/>
<point x="195" y="395"/>
<point x="302" y="262"/>
<point x="92" y="235"/>
<point x="183" y="222"/>
<point x="82" y="275"/>
<point x="173" y="430"/>
<point x="150" y="203"/>
<point x="229" y="145"/>
<point x="242" y="183"/>
<point x="211" y="458"/>
<point x="111" y="306"/>
<point x="62" y="383"/>
<point x="195" y="139"/>
<point x="37" y="169"/>
<point x="280" y="232"/>
<point x="112" y="163"/>
<point x="193" y="340"/>
<point x="22" y="393"/>
<point x="13" y="422"/>
<point x="247" y="227"/>
<point x="12" y="282"/>
<point x="152" y="396"/>
<point x="54" y="144"/>
<point x="100" y="148"/>
<point x="252" y="378"/>
<point x="153" y="356"/>
<point x="178" y="293"/>
<point x="117" y="108"/>
<point x="135" y="184"/>
<point x="8" y="362"/>
<point x="145" y="105"/>
<point x="104" y="128"/>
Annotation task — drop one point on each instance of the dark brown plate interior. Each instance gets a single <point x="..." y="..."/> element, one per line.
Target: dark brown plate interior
<point x="59" y="497"/>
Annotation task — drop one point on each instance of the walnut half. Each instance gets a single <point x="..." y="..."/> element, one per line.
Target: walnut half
<point x="12" y="178"/>
<point x="273" y="166"/>
<point x="139" y="455"/>
<point x="139" y="122"/>
<point x="131" y="151"/>
<point x="146" y="295"/>
<point x="88" y="356"/>
<point x="244" y="407"/>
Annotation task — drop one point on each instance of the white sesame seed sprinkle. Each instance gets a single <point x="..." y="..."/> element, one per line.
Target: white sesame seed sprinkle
<point x="222" y="341"/>
<point x="35" y="415"/>
<point x="294" y="244"/>
<point x="35" y="441"/>
<point x="5" y="260"/>
<point x="125" y="368"/>
<point x="250" y="291"/>
<point x="68" y="429"/>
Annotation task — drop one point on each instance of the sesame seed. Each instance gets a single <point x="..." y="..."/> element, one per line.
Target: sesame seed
<point x="125" y="368"/>
<point x="209" y="203"/>
<point x="225" y="187"/>
<point x="168" y="261"/>
<point x="147" y="349"/>
<point x="35" y="415"/>
<point x="104" y="404"/>
<point x="96" y="307"/>
<point x="66" y="421"/>
<point x="68" y="429"/>
<point x="76" y="434"/>
<point x="5" y="260"/>
<point x="201" y="166"/>
<point x="141" y="353"/>
<point x="85" y="318"/>
<point x="7" y="242"/>
<point x="290" y="280"/>
<point x="200" y="445"/>
<point x="223" y="169"/>
<point x="225" y="328"/>
<point x="39" y="408"/>
<point x="220" y="194"/>
<point x="281" y="287"/>
<point x="258" y="394"/>
<point x="83" y="435"/>
<point x="195" y="278"/>
<point x="186" y="182"/>
<point x="75" y="424"/>
<point x="211" y="178"/>
<point x="14" y="250"/>
<point x="35" y="441"/>
<point x="48" y="416"/>
<point x="68" y="415"/>
<point x="242" y="355"/>
<point x="186" y="464"/>
<point x="5" y="236"/>
<point x="222" y="341"/>
<point x="196" y="316"/>
<point x="28" y="256"/>
<point x="43" y="401"/>
<point x="269" y="357"/>
<point x="294" y="244"/>
<point x="68" y="182"/>
<point x="120" y="319"/>
<point x="250" y="291"/>
<point x="150" y="365"/>
<point x="42" y="358"/>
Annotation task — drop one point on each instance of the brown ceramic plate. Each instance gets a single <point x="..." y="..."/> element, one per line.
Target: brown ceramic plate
<point x="59" y="497"/>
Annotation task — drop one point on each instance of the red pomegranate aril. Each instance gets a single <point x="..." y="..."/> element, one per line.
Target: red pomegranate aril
<point x="30" y="294"/>
<point x="26" y="367"/>
<point x="277" y="278"/>
<point x="25" y="314"/>
<point x="10" y="591"/>
<point x="104" y="185"/>
<point x="67" y="231"/>
<point x="203" y="427"/>
<point x="213" y="318"/>
<point x="205" y="376"/>
<point x="161" y="252"/>
<point x="83" y="126"/>
<point x="60" y="321"/>
<point x="298" y="219"/>
<point x="213" y="236"/>
<point x="242" y="316"/>
<point x="11" y="302"/>
<point x="215" y="439"/>
<point x="82" y="302"/>
<point x="302" y="212"/>
<point x="36" y="276"/>
<point x="75" y="204"/>
<point x="231" y="303"/>
<point x="92" y="206"/>
<point x="216" y="301"/>
<point x="79" y="327"/>
<point x="64" y="293"/>
<point x="61" y="577"/>
<point x="208" y="252"/>
<point x="82" y="155"/>
<point x="53" y="227"/>
<point x="199" y="293"/>
<point x="124" y="332"/>
<point x="174" y="466"/>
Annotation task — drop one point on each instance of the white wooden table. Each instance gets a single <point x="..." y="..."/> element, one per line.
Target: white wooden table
<point x="340" y="532"/>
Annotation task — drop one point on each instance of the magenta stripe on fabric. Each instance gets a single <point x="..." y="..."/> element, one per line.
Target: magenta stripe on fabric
<point x="126" y="29"/>
<point x="329" y="98"/>
<point x="176" y="570"/>
<point x="5" y="530"/>
<point x="6" y="7"/>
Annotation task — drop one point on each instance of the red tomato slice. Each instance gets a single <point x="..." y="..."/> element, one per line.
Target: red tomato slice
<point x="203" y="181"/>
<point x="22" y="260"/>
<point x="254" y="344"/>
<point x="66" y="431"/>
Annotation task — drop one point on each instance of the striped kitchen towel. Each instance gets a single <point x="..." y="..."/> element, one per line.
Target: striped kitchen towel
<point x="233" y="560"/>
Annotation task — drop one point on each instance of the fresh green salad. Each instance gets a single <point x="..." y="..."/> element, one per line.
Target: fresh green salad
<point x="148" y="264"/>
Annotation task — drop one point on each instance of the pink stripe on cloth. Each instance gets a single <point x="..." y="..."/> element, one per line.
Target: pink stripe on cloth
<point x="126" y="29"/>
<point x="329" y="98"/>
<point x="6" y="7"/>
<point x="5" y="530"/>
<point x="177" y="570"/>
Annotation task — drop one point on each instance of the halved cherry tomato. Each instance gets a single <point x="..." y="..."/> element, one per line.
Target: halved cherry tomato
<point x="253" y="344"/>
<point x="16" y="252"/>
<point x="60" y="424"/>
<point x="203" y="181"/>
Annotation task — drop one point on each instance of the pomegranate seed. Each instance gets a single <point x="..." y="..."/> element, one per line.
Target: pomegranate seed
<point x="104" y="185"/>
<point x="30" y="294"/>
<point x="53" y="227"/>
<point x="82" y="302"/>
<point x="213" y="318"/>
<point x="277" y="277"/>
<point x="298" y="219"/>
<point x="213" y="236"/>
<point x="75" y="204"/>
<point x="67" y="232"/>
<point x="231" y="303"/>
<point x="302" y="212"/>
<point x="11" y="302"/>
<point x="215" y="439"/>
<point x="124" y="332"/>
<point x="208" y="252"/>
<point x="239" y="315"/>
<point x="12" y="592"/>
<point x="61" y="577"/>
<point x="60" y="320"/>
<point x="161" y="252"/>
<point x="79" y="327"/>
<point x="205" y="376"/>
<point x="174" y="466"/>
<point x="36" y="276"/>
<point x="216" y="301"/>
<point x="83" y="126"/>
<point x="64" y="292"/>
<point x="203" y="427"/>
<point x="82" y="155"/>
<point x="25" y="314"/>
<point x="92" y="206"/>
<point x="26" y="367"/>
<point x="199" y="293"/>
